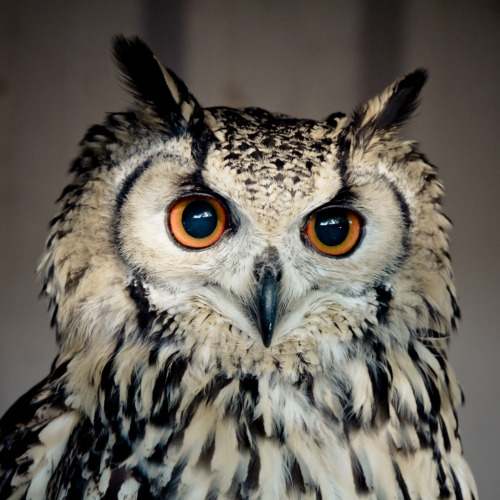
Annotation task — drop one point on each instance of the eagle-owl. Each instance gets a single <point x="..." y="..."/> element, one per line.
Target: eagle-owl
<point x="248" y="306"/>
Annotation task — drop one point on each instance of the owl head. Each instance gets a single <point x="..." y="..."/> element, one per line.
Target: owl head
<point x="249" y="240"/>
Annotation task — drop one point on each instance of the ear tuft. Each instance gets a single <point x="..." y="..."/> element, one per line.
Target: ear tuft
<point x="153" y="85"/>
<point x="142" y="73"/>
<point x="403" y="101"/>
<point x="393" y="107"/>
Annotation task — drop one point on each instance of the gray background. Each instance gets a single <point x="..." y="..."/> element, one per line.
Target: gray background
<point x="303" y="58"/>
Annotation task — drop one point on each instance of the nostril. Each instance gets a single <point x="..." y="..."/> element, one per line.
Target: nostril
<point x="261" y="271"/>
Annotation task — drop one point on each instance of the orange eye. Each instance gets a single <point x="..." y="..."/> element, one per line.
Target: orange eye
<point x="334" y="230"/>
<point x="197" y="221"/>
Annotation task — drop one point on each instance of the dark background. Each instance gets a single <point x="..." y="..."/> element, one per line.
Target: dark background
<point x="303" y="58"/>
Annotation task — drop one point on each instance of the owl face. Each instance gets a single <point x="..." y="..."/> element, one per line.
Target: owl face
<point x="258" y="233"/>
<point x="278" y="197"/>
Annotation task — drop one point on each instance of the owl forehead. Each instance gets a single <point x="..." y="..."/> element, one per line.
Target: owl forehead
<point x="273" y="166"/>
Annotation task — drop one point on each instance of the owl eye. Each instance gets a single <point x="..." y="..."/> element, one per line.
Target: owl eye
<point x="197" y="221"/>
<point x="334" y="230"/>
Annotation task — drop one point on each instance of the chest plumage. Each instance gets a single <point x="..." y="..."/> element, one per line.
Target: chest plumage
<point x="248" y="306"/>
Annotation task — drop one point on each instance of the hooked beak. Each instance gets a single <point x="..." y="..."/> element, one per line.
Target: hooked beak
<point x="267" y="299"/>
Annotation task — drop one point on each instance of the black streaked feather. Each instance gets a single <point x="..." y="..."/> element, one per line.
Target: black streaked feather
<point x="358" y="475"/>
<point x="401" y="482"/>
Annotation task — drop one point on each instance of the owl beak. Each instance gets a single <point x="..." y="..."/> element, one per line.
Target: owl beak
<point x="267" y="304"/>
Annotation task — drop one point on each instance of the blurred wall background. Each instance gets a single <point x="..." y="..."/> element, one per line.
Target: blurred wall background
<point x="302" y="58"/>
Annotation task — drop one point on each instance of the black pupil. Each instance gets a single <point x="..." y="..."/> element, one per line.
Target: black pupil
<point x="199" y="219"/>
<point x="332" y="226"/>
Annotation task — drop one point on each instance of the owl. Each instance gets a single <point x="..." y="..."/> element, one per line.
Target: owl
<point x="247" y="306"/>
